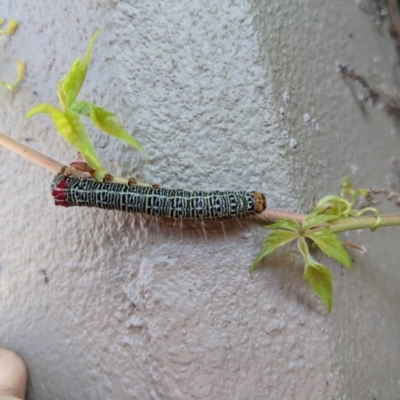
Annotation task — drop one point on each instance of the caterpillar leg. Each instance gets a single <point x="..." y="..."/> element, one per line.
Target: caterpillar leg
<point x="78" y="167"/>
<point x="132" y="182"/>
<point x="79" y="163"/>
<point x="108" y="178"/>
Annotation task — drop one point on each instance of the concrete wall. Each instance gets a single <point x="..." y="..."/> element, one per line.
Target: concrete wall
<point x="142" y="309"/>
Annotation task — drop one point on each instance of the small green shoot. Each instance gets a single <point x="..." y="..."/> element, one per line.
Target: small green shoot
<point x="69" y="87"/>
<point x="20" y="77"/>
<point x="344" y="205"/>
<point x="316" y="227"/>
<point x="10" y="28"/>
<point x="67" y="119"/>
<point x="106" y="121"/>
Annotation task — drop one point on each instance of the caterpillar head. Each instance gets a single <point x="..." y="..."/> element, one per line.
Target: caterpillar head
<point x="261" y="202"/>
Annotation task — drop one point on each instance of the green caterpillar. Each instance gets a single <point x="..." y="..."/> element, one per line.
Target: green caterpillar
<point x="71" y="191"/>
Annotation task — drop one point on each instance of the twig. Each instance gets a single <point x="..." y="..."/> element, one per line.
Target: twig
<point x="355" y="223"/>
<point x="270" y="214"/>
<point x="391" y="195"/>
<point x="36" y="157"/>
<point x="30" y="154"/>
<point x="394" y="29"/>
<point x="390" y="101"/>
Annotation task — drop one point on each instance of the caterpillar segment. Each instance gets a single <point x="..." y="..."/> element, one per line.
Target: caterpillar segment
<point x="69" y="191"/>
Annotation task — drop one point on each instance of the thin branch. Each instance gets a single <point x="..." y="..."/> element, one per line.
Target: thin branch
<point x="30" y="154"/>
<point x="390" y="101"/>
<point x="394" y="28"/>
<point x="354" y="223"/>
<point x="270" y="215"/>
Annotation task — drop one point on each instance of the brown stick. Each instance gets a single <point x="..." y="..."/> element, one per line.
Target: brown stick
<point x="269" y="214"/>
<point x="272" y="215"/>
<point x="30" y="154"/>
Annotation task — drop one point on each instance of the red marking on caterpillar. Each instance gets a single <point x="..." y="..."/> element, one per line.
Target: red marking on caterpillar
<point x="71" y="191"/>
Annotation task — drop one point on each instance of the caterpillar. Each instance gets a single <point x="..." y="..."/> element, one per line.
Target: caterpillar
<point x="71" y="190"/>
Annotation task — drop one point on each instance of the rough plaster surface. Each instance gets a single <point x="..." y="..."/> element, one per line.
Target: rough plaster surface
<point x="131" y="309"/>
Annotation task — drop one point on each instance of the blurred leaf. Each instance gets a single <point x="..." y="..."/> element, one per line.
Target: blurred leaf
<point x="353" y="246"/>
<point x="316" y="274"/>
<point x="320" y="278"/>
<point x="21" y="68"/>
<point x="333" y="205"/>
<point x="11" y="27"/>
<point x="285" y="223"/>
<point x="106" y="121"/>
<point x="316" y="219"/>
<point x="72" y="130"/>
<point x="302" y="246"/>
<point x="68" y="88"/>
<point x="9" y="86"/>
<point x="330" y="244"/>
<point x="20" y="77"/>
<point x="274" y="240"/>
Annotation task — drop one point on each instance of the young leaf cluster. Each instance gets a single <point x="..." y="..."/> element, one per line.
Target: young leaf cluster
<point x="316" y="229"/>
<point x="344" y="206"/>
<point x="67" y="118"/>
<point x="20" y="77"/>
<point x="9" y="30"/>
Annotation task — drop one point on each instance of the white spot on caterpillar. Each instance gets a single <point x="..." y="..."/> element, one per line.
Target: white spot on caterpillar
<point x="284" y="135"/>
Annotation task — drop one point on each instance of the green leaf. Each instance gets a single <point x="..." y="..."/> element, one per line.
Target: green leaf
<point x="106" y="121"/>
<point x="72" y="130"/>
<point x="330" y="244"/>
<point x="285" y="223"/>
<point x="333" y="205"/>
<point x="9" y="86"/>
<point x="69" y="87"/>
<point x="302" y="245"/>
<point x="20" y="71"/>
<point x="320" y="278"/>
<point x="274" y="240"/>
<point x="20" y="77"/>
<point x="316" y="219"/>
<point x="11" y="27"/>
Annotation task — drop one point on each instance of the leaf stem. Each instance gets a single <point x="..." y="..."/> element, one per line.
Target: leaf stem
<point x="339" y="225"/>
<point x="369" y="222"/>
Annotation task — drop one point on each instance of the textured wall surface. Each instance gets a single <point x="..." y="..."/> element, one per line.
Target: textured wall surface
<point x="141" y="309"/>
